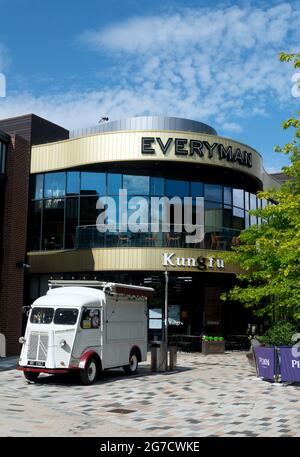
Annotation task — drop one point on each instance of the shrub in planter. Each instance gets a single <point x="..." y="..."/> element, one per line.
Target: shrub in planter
<point x="280" y="334"/>
<point x="277" y="356"/>
<point x="213" y="345"/>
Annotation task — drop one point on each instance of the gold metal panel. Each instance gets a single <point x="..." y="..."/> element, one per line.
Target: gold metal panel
<point x="126" y="146"/>
<point x="119" y="259"/>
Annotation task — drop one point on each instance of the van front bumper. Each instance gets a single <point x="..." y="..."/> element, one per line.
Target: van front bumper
<point x="45" y="370"/>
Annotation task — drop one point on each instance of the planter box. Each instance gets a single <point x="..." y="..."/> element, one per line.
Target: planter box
<point x="213" y="347"/>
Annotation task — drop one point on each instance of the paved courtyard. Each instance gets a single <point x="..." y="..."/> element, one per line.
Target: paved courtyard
<point x="215" y="395"/>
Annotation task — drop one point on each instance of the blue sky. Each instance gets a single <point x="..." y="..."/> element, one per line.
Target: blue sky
<point x="74" y="62"/>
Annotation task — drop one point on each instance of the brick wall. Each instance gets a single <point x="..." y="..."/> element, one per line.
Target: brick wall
<point x="14" y="241"/>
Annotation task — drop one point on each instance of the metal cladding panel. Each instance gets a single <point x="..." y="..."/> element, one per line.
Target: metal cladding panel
<point x="117" y="259"/>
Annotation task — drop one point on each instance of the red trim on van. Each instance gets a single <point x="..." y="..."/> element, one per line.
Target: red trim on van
<point x="44" y="370"/>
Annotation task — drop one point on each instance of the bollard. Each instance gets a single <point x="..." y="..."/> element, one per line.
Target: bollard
<point x="159" y="357"/>
<point x="172" y="357"/>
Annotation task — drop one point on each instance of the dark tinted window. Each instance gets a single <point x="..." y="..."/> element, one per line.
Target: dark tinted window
<point x="41" y="315"/>
<point x="157" y="186"/>
<point x="65" y="316"/>
<point x="176" y="188"/>
<point x="196" y="189"/>
<point x="213" y="192"/>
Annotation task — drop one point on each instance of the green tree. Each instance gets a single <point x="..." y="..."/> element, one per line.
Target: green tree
<point x="269" y="254"/>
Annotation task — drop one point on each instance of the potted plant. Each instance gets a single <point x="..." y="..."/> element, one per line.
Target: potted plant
<point x="213" y="345"/>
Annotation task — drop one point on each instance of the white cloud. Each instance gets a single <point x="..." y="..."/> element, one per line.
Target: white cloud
<point x="215" y="65"/>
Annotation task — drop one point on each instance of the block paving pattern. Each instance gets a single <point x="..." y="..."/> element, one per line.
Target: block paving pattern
<point x="214" y="395"/>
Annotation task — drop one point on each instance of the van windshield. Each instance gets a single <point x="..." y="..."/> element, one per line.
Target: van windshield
<point x="41" y="315"/>
<point x="65" y="316"/>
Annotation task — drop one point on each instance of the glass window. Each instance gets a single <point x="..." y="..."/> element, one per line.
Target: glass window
<point x="213" y="192"/>
<point x="136" y="185"/>
<point x="227" y="217"/>
<point x="227" y="196"/>
<point x="2" y="157"/>
<point x="53" y="224"/>
<point x="157" y="186"/>
<point x="93" y="183"/>
<point x="41" y="315"/>
<point x="196" y="189"/>
<point x="238" y="218"/>
<point x="90" y="319"/>
<point x="35" y="225"/>
<point x="71" y="222"/>
<point x="65" y="316"/>
<point x="88" y="210"/>
<point x="37" y="186"/>
<point x="114" y="183"/>
<point x="73" y="182"/>
<point x="213" y="216"/>
<point x="55" y="185"/>
<point x="238" y="197"/>
<point x="176" y="188"/>
<point x="252" y="201"/>
<point x="247" y="200"/>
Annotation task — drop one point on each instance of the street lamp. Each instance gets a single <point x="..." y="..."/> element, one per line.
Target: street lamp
<point x="166" y="315"/>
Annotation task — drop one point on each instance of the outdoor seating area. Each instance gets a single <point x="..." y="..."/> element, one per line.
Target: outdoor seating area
<point x="89" y="236"/>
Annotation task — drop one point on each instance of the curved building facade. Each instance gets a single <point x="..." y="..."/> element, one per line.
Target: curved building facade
<point x="73" y="182"/>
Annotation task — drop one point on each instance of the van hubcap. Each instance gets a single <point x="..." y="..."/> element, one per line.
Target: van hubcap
<point x="133" y="362"/>
<point x="92" y="370"/>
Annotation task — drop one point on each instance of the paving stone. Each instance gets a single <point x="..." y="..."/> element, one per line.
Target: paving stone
<point x="212" y="395"/>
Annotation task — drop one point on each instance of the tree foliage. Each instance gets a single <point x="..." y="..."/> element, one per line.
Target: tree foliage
<point x="269" y="254"/>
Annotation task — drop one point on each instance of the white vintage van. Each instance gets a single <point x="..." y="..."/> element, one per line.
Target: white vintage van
<point x="86" y="329"/>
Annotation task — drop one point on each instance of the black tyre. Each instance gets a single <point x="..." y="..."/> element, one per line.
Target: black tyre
<point x="90" y="373"/>
<point x="31" y="375"/>
<point x="133" y="365"/>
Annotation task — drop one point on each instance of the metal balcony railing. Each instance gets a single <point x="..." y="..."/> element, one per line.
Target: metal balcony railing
<point x="216" y="238"/>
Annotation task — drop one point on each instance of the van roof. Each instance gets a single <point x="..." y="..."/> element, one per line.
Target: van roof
<point x="71" y="296"/>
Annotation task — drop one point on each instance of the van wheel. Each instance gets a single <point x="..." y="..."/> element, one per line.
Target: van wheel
<point x="132" y="368"/>
<point x="90" y="373"/>
<point x="31" y="375"/>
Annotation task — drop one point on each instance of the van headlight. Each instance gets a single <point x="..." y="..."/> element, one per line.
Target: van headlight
<point x="62" y="343"/>
<point x="22" y="340"/>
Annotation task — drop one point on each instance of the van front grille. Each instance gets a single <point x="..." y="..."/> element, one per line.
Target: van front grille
<point x="38" y="346"/>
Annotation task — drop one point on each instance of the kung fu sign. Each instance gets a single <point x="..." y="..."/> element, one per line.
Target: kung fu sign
<point x="189" y="148"/>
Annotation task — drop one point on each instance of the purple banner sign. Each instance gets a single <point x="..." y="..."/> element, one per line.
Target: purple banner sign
<point x="265" y="362"/>
<point x="289" y="365"/>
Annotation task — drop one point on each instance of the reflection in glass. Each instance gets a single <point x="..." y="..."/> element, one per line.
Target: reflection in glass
<point x="213" y="192"/>
<point x="176" y="188"/>
<point x="73" y="182"/>
<point x="196" y="189"/>
<point x="238" y="197"/>
<point x="227" y="196"/>
<point x="55" y="185"/>
<point x="136" y="185"/>
<point x="157" y="186"/>
<point x="114" y="183"/>
<point x="53" y="224"/>
<point x="93" y="183"/>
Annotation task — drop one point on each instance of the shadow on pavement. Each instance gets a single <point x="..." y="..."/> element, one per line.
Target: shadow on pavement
<point x="107" y="376"/>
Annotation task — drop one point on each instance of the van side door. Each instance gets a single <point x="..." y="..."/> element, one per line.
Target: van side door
<point x="89" y="333"/>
